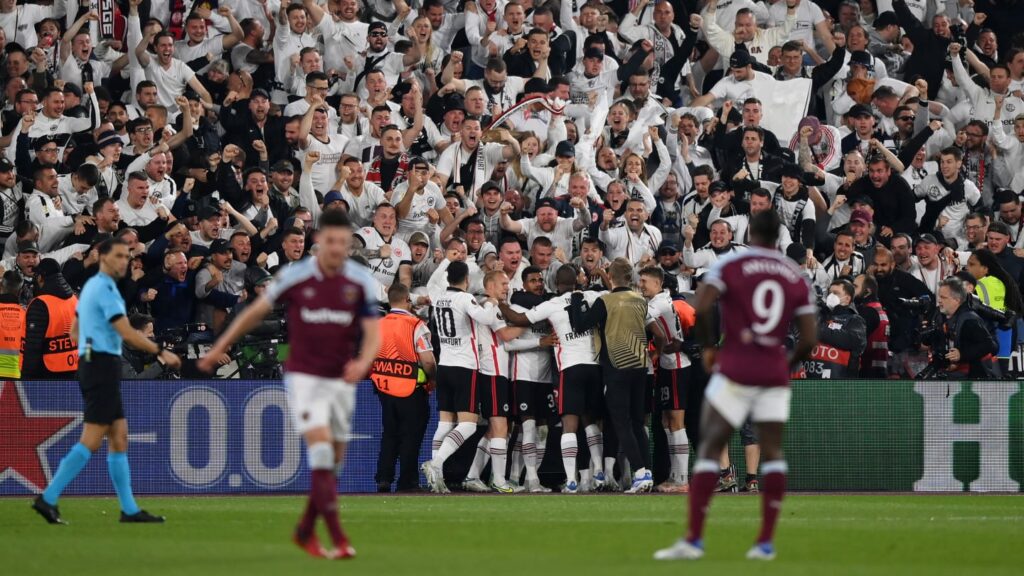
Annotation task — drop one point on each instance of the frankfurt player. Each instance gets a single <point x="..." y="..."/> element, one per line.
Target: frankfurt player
<point x="673" y="375"/>
<point x="100" y="326"/>
<point x="760" y="293"/>
<point x="331" y="305"/>
<point x="579" y="393"/>
<point x="457" y="314"/>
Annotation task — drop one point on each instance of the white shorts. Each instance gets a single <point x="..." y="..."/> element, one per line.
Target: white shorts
<point x="317" y="402"/>
<point x="735" y="402"/>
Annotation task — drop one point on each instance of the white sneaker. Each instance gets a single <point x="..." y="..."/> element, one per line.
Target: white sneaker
<point x="475" y="485"/>
<point x="535" y="487"/>
<point x="571" y="488"/>
<point x="435" y="478"/>
<point x="642" y="482"/>
<point x="585" y="485"/>
<point x="681" y="550"/>
<point x="599" y="482"/>
<point x="516" y="487"/>
<point x="763" y="551"/>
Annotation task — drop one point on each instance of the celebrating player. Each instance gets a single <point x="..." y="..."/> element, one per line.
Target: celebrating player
<point x="760" y="293"/>
<point x="100" y="326"/>
<point x="331" y="306"/>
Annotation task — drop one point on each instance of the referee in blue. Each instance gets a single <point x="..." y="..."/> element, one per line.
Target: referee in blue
<point x="100" y="326"/>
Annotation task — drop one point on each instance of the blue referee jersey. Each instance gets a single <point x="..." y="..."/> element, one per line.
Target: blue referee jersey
<point x="99" y="305"/>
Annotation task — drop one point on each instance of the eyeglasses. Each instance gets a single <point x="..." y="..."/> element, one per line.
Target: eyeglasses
<point x="378" y="34"/>
<point x="907" y="118"/>
<point x="48" y="149"/>
<point x="144" y="130"/>
<point x="321" y="88"/>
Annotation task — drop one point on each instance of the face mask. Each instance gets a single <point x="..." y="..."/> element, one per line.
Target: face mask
<point x="831" y="301"/>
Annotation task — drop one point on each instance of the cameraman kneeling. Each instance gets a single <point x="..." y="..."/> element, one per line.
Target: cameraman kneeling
<point x="970" y="347"/>
<point x="842" y="336"/>
<point x="139" y="365"/>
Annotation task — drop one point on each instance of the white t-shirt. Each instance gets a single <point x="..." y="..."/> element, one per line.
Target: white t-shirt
<point x="455" y="313"/>
<point x="136" y="217"/>
<point x="385" y="270"/>
<point x="455" y="157"/>
<point x="808" y="15"/>
<point x="361" y="207"/>
<point x="20" y="25"/>
<point x="572" y="348"/>
<point x="170" y="82"/>
<point x="493" y="355"/>
<point x="186" y="52"/>
<point x="561" y="236"/>
<point x="530" y="363"/>
<point x="729" y="89"/>
<point x="416" y="219"/>
<point x="324" y="172"/>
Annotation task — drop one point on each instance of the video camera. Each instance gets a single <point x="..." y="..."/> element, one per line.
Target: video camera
<point x="258" y="353"/>
<point x="177" y="339"/>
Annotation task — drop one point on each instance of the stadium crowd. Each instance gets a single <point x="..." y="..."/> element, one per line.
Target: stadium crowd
<point x="539" y="142"/>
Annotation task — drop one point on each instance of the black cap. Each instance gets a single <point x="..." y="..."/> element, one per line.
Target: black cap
<point x="565" y="149"/>
<point x="377" y="26"/>
<point x="860" y="57"/>
<point x="862" y="199"/>
<point x="796" y="252"/>
<point x="283" y="166"/>
<point x="488" y="186"/>
<point x="791" y="170"/>
<point x="255" y="276"/>
<point x="593" y="52"/>
<point x="72" y="88"/>
<point x="718" y="186"/>
<point x="259" y="93"/>
<point x="886" y="19"/>
<point x="928" y="238"/>
<point x="418" y="161"/>
<point x="47" y="268"/>
<point x="220" y="246"/>
<point x="5" y="165"/>
<point x="859" y="111"/>
<point x="41" y="141"/>
<point x="667" y="247"/>
<point x="454" y="101"/>
<point x="546" y="202"/>
<point x="207" y="211"/>
<point x="27" y="246"/>
<point x="740" y="59"/>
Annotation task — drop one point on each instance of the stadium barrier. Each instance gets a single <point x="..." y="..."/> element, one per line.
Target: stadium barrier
<point x="235" y="437"/>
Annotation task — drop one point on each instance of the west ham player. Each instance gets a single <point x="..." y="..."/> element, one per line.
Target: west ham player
<point x="760" y="293"/>
<point x="456" y="313"/>
<point x="331" y="306"/>
<point x="531" y="377"/>
<point x="579" y="379"/>
<point x="673" y="374"/>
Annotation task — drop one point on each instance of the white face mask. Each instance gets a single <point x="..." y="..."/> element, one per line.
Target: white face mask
<point x="831" y="301"/>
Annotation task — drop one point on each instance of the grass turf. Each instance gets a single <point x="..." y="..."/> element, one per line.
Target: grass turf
<point x="493" y="535"/>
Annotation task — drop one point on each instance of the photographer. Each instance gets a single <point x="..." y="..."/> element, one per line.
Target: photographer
<point x="962" y="343"/>
<point x="842" y="336"/>
<point x="139" y="365"/>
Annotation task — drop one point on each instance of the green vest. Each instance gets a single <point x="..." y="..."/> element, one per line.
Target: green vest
<point x="992" y="292"/>
<point x="625" y="330"/>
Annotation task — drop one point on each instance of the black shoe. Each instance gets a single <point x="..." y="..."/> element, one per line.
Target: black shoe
<point x="141" y="517"/>
<point x="383" y="487"/>
<point x="49" y="512"/>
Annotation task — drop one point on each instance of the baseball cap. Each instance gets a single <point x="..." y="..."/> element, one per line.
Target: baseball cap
<point x="41" y="141"/>
<point x="928" y="238"/>
<point x="377" y="26"/>
<point x="667" y="247"/>
<point x="565" y="148"/>
<point x="27" y="246"/>
<point x="255" y="276"/>
<point x="47" y="267"/>
<point x="5" y="165"/>
<point x="815" y="125"/>
<point x="861" y="216"/>
<point x="859" y="111"/>
<point x="333" y="196"/>
<point x="886" y="19"/>
<point x="220" y="246"/>
<point x="72" y="88"/>
<point x="259" y="93"/>
<point x="207" y="211"/>
<point x="740" y="59"/>
<point x="546" y="202"/>
<point x="418" y="161"/>
<point x="718" y="186"/>
<point x="454" y="101"/>
<point x="283" y="166"/>
<point x="593" y="52"/>
<point x="862" y="199"/>
<point x="860" y="57"/>
<point x="419" y="238"/>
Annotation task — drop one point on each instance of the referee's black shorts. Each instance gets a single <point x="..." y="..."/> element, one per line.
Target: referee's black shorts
<point x="100" y="381"/>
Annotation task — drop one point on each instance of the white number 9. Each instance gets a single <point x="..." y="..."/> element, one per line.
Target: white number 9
<point x="768" y="302"/>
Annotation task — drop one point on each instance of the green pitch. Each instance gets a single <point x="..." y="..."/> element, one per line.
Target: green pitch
<point x="494" y="535"/>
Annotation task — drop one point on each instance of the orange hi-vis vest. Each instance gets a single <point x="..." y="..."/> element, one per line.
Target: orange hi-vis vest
<point x="396" y="369"/>
<point x="12" y="338"/>
<point x="59" y="353"/>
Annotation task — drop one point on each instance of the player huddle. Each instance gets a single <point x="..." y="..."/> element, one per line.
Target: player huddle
<point x="532" y="357"/>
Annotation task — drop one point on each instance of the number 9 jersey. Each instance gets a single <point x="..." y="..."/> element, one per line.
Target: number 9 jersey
<point x="760" y="293"/>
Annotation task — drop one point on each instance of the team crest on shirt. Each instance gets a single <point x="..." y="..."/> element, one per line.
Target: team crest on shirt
<point x="430" y="201"/>
<point x="934" y="193"/>
<point x="351" y="294"/>
<point x="1010" y="107"/>
<point x="308" y="292"/>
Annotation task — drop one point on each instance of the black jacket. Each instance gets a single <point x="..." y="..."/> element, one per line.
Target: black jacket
<point x="929" y="57"/>
<point x="966" y="332"/>
<point x="37" y="320"/>
<point x="895" y="203"/>
<point x="242" y="130"/>
<point x="903" y="323"/>
<point x="844" y="330"/>
<point x="560" y="61"/>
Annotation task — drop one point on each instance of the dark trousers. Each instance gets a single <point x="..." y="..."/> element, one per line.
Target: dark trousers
<point x="404" y="422"/>
<point x="624" y="397"/>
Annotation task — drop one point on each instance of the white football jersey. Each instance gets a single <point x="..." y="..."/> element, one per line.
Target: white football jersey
<point x="384" y="270"/>
<point x="572" y="348"/>
<point x="491" y="349"/>
<point x="530" y="362"/>
<point x="661" y="310"/>
<point x="456" y="314"/>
